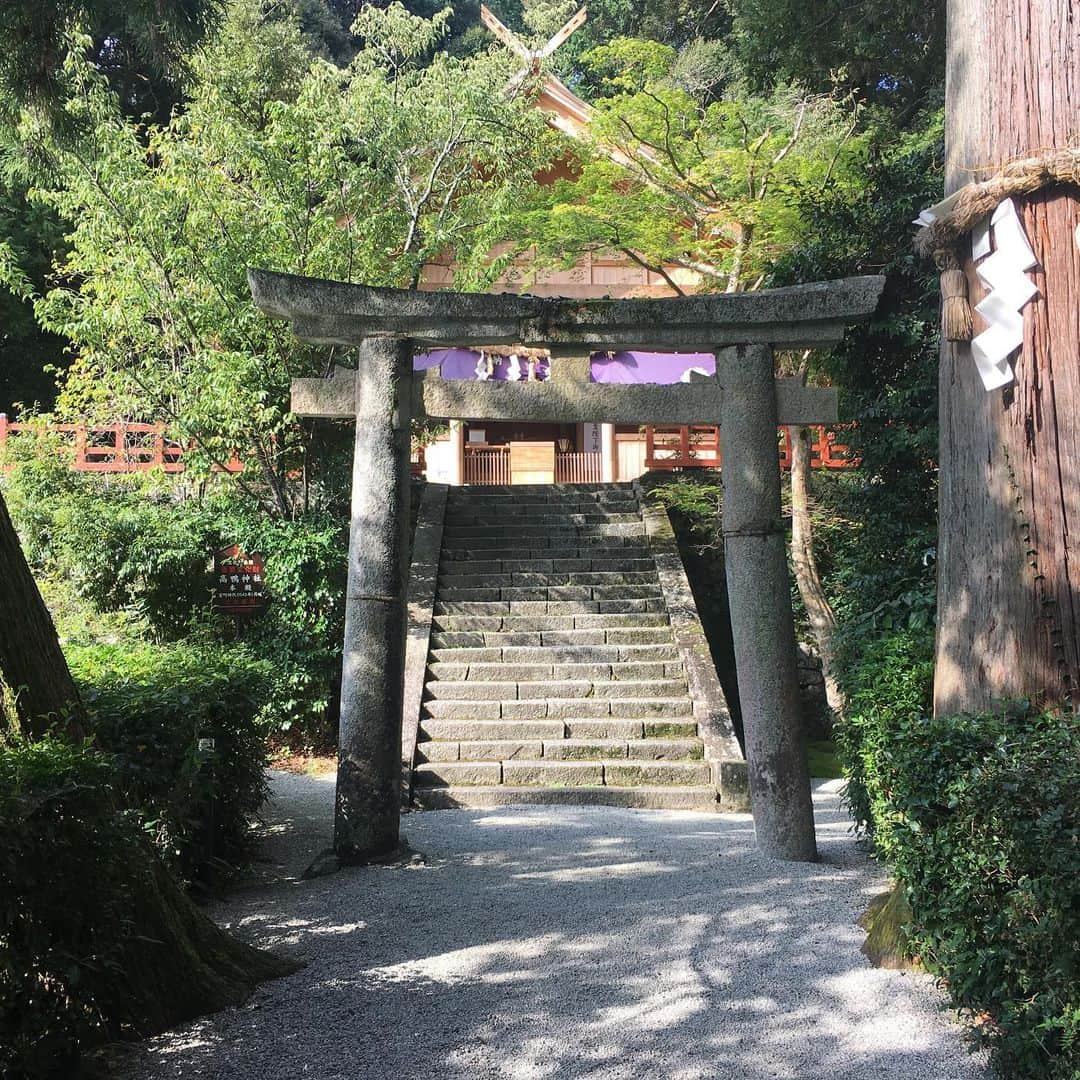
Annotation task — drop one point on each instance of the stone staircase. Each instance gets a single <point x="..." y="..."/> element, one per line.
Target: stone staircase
<point x="553" y="673"/>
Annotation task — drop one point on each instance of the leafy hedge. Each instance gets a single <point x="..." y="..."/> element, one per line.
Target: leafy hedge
<point x="142" y="545"/>
<point x="979" y="817"/>
<point x="149" y="708"/>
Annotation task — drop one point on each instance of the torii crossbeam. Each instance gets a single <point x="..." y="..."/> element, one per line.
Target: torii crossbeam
<point x="743" y="329"/>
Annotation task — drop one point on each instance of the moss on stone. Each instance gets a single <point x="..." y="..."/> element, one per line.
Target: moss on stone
<point x="885" y="922"/>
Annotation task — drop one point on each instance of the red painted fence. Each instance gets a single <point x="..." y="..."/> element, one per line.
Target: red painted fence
<point x="126" y="448"/>
<point x="697" y="446"/>
<point x="115" y="448"/>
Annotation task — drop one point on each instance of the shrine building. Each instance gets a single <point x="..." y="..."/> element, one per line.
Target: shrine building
<point x="503" y="452"/>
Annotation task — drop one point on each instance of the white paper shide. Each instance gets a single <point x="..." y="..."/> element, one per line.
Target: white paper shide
<point x="1004" y="273"/>
<point x="1003" y="256"/>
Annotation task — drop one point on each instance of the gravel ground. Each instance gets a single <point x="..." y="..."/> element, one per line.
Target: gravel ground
<point x="561" y="942"/>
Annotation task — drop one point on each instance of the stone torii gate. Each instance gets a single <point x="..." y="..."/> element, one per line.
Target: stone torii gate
<point x="382" y="393"/>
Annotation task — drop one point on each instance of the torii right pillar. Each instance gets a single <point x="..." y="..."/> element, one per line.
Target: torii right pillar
<point x="762" y="624"/>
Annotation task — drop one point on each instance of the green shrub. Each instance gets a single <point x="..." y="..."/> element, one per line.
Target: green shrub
<point x="301" y="631"/>
<point x="979" y="817"/>
<point x="119" y="541"/>
<point x="884" y="678"/>
<point x="63" y="911"/>
<point x="150" y="706"/>
<point x="141" y="547"/>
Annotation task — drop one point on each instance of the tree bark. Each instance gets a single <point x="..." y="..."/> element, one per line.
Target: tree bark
<point x="1009" y="548"/>
<point x="818" y="609"/>
<point x="35" y="684"/>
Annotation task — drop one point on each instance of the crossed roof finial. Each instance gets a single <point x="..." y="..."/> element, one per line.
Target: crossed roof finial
<point x="532" y="57"/>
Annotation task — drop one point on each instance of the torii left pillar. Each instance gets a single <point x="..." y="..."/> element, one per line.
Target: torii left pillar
<point x="367" y="815"/>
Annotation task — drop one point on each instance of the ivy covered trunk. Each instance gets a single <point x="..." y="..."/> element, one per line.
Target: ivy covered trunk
<point x="1009" y="554"/>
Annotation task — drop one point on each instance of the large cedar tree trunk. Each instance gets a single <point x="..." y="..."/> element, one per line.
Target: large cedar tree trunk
<point x="1009" y="552"/>
<point x="35" y="684"/>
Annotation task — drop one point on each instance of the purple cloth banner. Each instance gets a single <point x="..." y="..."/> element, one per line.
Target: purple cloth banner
<point x="620" y="367"/>
<point x="649" y="367"/>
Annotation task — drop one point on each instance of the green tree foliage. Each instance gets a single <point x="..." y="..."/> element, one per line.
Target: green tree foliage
<point x="125" y="36"/>
<point x="716" y="188"/>
<point x="879" y="523"/>
<point x="979" y="817"/>
<point x="676" y="23"/>
<point x="889" y="51"/>
<point x="126" y="560"/>
<point x="362" y="173"/>
<point x="30" y="235"/>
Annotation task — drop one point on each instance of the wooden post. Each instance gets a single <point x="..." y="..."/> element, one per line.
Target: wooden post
<point x="1009" y="547"/>
<point x="759" y="592"/>
<point x="457" y="453"/>
<point x="608" y="460"/>
<point x="373" y="663"/>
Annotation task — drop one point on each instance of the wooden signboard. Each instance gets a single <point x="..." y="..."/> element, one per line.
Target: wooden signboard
<point x="238" y="582"/>
<point x="532" y="463"/>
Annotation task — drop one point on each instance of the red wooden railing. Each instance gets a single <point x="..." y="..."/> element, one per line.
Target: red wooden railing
<point x="126" y="448"/>
<point x="115" y="448"/>
<point x="686" y="446"/>
<point x="825" y="451"/>
<point x="697" y="446"/>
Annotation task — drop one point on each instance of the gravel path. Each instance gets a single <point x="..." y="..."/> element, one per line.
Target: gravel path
<point x="537" y="943"/>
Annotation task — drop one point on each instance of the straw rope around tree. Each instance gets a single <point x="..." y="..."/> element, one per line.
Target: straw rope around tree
<point x="943" y="239"/>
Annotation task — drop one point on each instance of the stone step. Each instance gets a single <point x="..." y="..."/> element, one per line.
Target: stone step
<point x="556" y="654"/>
<point x="562" y="750"/>
<point x="553" y="689"/>
<point x="516" y="623"/>
<point x="543" y="517"/>
<point x="502" y="671"/>
<point x="618" y="749"/>
<point x="545" y="773"/>
<point x="461" y="639"/>
<point x="552" y="530"/>
<point x="538" y="579"/>
<point x="481" y="750"/>
<point x="552" y="708"/>
<point x="535" y="593"/>
<point x="630" y="729"/>
<point x="549" y="607"/>
<point x="547" y="730"/>
<point x="612" y="547"/>
<point x="640" y="798"/>
<point x="511" y="563"/>
<point x="487" y="731"/>
<point x="531" y="507"/>
<point x="552" y="673"/>
<point x="546" y="492"/>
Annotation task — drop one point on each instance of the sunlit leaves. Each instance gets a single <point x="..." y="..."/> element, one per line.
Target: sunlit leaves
<point x="279" y="160"/>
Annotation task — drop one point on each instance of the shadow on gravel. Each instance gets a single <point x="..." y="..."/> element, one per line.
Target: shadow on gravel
<point x="557" y="943"/>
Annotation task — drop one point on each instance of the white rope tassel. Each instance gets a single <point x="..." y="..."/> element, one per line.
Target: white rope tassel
<point x="1003" y="273"/>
